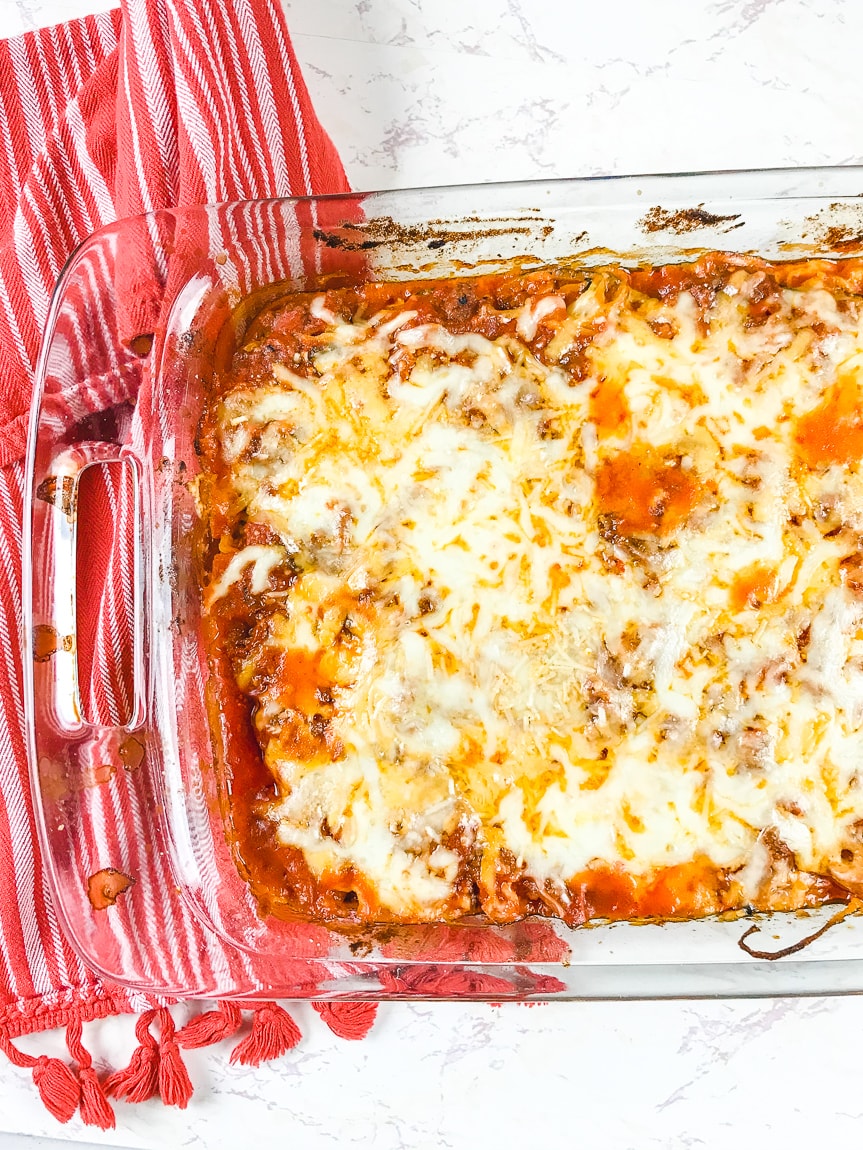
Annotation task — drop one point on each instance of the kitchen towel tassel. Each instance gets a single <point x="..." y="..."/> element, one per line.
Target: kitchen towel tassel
<point x="351" y="1020"/>
<point x="273" y="1033"/>
<point x="58" y="1087"/>
<point x="156" y="1066"/>
<point x="95" y="1109"/>
<point x="175" y="1085"/>
<point x="140" y="1079"/>
<point x="211" y="1026"/>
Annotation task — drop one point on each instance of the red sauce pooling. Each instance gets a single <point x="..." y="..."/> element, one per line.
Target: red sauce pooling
<point x="609" y="409"/>
<point x="754" y="587"/>
<point x="833" y="431"/>
<point x="646" y="492"/>
<point x="301" y="684"/>
<point x="702" y="279"/>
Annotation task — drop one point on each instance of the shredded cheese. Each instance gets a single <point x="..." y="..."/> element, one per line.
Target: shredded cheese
<point x="532" y="676"/>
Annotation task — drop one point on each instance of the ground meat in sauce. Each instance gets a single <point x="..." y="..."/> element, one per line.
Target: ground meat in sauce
<point x="645" y="495"/>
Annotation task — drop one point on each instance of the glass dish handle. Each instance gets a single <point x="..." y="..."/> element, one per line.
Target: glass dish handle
<point x="55" y="619"/>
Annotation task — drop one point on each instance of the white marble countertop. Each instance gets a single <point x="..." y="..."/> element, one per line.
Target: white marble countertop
<point x="443" y="91"/>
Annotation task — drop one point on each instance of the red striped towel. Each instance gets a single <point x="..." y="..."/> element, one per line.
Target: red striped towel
<point x="164" y="102"/>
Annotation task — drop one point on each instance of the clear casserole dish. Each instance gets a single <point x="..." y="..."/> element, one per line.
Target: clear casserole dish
<point x="129" y="810"/>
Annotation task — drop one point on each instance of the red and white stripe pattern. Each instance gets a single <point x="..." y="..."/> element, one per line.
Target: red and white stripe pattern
<point x="162" y="103"/>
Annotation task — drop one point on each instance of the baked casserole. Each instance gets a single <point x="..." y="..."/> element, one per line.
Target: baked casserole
<point x="542" y="593"/>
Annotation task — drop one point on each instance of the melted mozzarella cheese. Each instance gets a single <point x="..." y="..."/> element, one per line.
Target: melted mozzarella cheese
<point x="527" y="677"/>
<point x="262" y="560"/>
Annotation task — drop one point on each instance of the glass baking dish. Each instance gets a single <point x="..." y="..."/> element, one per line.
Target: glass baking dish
<point x="142" y="309"/>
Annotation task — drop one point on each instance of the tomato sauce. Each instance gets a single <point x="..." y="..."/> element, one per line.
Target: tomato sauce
<point x="609" y="409"/>
<point x="833" y="431"/>
<point x="754" y="587"/>
<point x="646" y="492"/>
